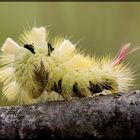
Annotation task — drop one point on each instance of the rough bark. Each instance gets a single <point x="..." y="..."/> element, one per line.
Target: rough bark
<point x="111" y="116"/>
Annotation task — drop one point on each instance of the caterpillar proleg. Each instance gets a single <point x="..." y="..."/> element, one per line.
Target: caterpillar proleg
<point x="41" y="70"/>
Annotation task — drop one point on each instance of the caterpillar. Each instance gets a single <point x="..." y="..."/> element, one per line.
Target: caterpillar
<point x="41" y="70"/>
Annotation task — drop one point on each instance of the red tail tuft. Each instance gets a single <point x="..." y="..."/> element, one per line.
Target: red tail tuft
<point x="123" y="52"/>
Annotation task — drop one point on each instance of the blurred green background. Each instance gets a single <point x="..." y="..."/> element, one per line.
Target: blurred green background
<point x="99" y="27"/>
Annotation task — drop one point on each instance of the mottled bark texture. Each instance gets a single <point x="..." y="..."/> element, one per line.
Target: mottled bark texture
<point x="111" y="116"/>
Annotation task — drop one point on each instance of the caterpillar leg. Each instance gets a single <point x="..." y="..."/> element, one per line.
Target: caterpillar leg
<point x="43" y="98"/>
<point x="49" y="96"/>
<point x="104" y="92"/>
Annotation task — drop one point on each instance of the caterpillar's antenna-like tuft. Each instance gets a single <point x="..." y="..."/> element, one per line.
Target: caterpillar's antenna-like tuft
<point x="10" y="46"/>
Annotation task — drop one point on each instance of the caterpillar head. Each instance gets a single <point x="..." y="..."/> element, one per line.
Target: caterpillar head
<point x="25" y="68"/>
<point x="24" y="72"/>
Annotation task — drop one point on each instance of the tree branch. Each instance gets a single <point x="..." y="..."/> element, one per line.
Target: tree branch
<point x="111" y="116"/>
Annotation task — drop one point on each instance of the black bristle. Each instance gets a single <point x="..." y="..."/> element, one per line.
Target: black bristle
<point x="30" y="47"/>
<point x="50" y="49"/>
<point x="57" y="87"/>
<point x="95" y="88"/>
<point x="106" y="85"/>
<point x="76" y="90"/>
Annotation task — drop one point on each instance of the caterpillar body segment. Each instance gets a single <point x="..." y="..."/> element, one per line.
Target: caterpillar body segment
<point x="40" y="70"/>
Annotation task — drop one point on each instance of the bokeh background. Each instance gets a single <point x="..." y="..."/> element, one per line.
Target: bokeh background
<point x="99" y="27"/>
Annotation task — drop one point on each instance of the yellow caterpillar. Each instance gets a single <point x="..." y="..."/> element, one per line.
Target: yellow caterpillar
<point x="40" y="70"/>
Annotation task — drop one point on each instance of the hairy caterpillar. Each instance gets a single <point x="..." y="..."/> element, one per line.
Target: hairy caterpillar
<point x="40" y="70"/>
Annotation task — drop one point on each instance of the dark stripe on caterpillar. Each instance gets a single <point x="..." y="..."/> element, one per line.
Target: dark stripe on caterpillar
<point x="29" y="47"/>
<point x="50" y="49"/>
<point x="95" y="88"/>
<point x="60" y="86"/>
<point x="41" y="77"/>
<point x="76" y="90"/>
<point x="106" y="85"/>
<point x="57" y="87"/>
